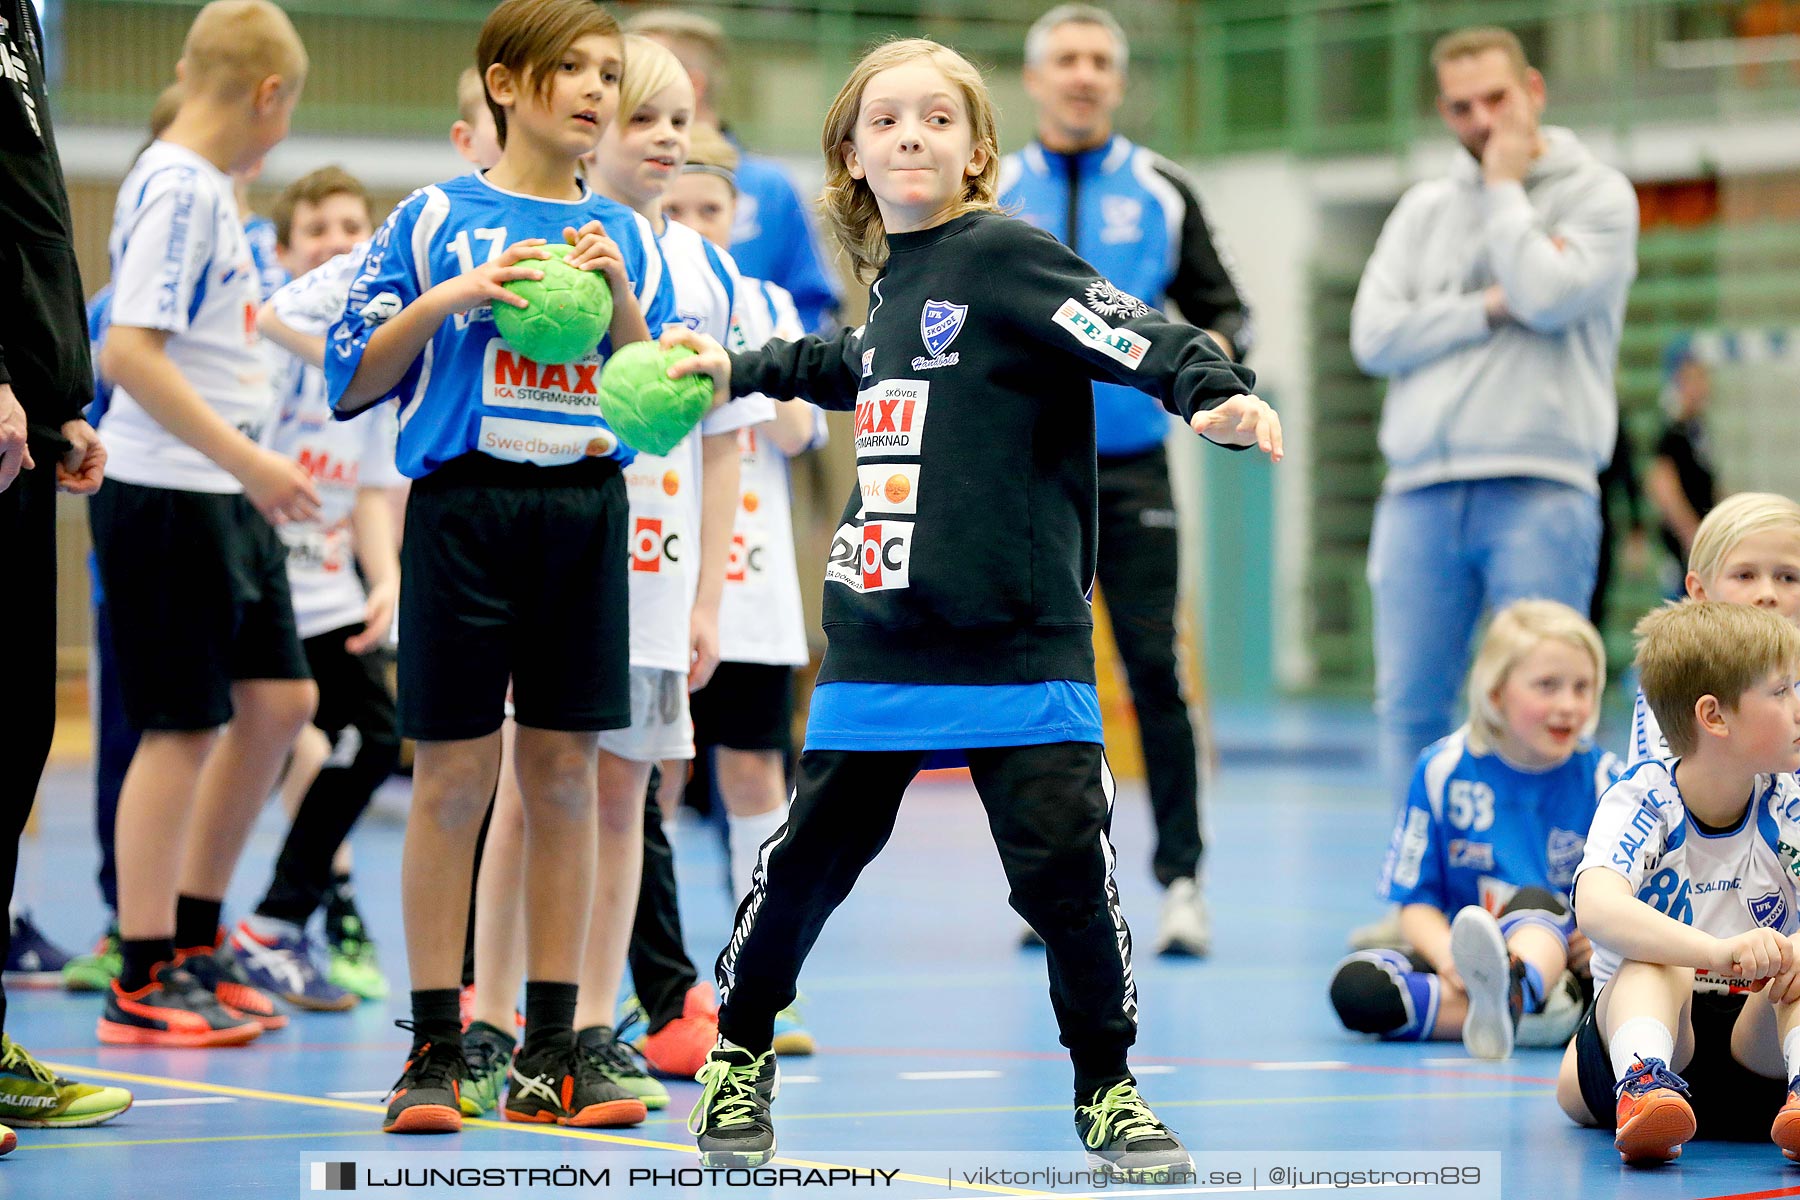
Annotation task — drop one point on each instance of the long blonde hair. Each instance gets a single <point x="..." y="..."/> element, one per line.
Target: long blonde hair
<point x="847" y="204"/>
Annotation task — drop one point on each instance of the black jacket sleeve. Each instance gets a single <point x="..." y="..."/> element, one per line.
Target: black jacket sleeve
<point x="1106" y="334"/>
<point x="1203" y="288"/>
<point x="825" y="371"/>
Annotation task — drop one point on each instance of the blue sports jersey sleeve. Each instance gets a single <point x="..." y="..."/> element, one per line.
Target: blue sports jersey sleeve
<point x="1414" y="871"/>
<point x="99" y="315"/>
<point x="387" y="282"/>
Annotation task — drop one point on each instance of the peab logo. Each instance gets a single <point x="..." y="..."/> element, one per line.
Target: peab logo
<point x="333" y="1177"/>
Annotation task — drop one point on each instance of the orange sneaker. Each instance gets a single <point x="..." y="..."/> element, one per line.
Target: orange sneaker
<point x="1786" y="1130"/>
<point x="1654" y="1117"/>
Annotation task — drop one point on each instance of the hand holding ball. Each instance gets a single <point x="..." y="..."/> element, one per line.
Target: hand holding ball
<point x="647" y="409"/>
<point x="569" y="311"/>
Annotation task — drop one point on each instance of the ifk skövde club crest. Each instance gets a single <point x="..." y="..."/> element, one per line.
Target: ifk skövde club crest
<point x="939" y="323"/>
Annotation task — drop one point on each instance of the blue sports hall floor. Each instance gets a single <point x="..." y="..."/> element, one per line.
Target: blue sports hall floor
<point x="935" y="1031"/>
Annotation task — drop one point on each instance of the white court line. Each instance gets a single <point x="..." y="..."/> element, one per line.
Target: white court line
<point x="172" y="1101"/>
<point x="1462" y="1061"/>
<point x="357" y="1095"/>
<point x="950" y="1074"/>
<point x="787" y="1079"/>
<point x="1322" y="1065"/>
<point x="1154" y="1069"/>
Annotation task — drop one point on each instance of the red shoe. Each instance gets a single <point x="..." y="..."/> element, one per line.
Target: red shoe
<point x="220" y="974"/>
<point x="8" y="1139"/>
<point x="173" y="1009"/>
<point x="1654" y="1117"/>
<point x="1786" y="1130"/>
<point x="700" y="1002"/>
<point x="465" y="1004"/>
<point x="679" y="1049"/>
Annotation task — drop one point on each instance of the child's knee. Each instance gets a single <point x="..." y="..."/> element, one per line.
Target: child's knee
<point x="281" y="706"/>
<point x="1371" y="994"/>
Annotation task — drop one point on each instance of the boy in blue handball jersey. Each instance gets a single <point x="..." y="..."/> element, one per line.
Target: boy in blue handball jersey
<point x="515" y="553"/>
<point x="1484" y="853"/>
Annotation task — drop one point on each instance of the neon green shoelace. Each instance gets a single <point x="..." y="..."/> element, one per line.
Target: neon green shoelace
<point x="728" y="1095"/>
<point x="14" y="1058"/>
<point x="1123" y="1110"/>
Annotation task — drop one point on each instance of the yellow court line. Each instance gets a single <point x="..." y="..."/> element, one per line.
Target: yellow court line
<point x="190" y="1141"/>
<point x="222" y="1089"/>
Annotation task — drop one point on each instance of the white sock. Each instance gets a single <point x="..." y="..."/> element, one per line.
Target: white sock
<point x="1640" y="1037"/>
<point x="747" y="836"/>
<point x="1790" y="1051"/>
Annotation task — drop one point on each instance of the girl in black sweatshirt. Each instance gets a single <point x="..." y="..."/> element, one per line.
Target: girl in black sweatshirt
<point x="956" y="595"/>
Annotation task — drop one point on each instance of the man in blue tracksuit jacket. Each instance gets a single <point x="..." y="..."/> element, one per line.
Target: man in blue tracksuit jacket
<point x="1137" y="218"/>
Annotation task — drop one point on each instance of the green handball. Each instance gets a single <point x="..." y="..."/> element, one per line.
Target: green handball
<point x="569" y="311"/>
<point x="647" y="409"/>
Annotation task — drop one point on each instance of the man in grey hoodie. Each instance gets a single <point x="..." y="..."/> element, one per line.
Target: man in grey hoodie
<point x="1493" y="305"/>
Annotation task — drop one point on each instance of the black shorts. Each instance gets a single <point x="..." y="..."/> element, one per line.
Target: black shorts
<point x="353" y="688"/>
<point x="746" y="706"/>
<point x="513" y="571"/>
<point x="197" y="593"/>
<point x="1731" y="1102"/>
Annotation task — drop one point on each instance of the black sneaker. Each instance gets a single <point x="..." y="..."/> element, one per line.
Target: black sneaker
<point x="220" y="973"/>
<point x="731" y="1123"/>
<point x="427" y="1098"/>
<point x="1124" y="1138"/>
<point x="556" y="1085"/>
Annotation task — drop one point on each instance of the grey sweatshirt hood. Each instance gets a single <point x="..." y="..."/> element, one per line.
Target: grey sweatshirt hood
<point x="1532" y="395"/>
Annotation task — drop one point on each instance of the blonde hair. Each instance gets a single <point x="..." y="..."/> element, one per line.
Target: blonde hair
<point x="471" y="96"/>
<point x="707" y="147"/>
<point x="529" y="38"/>
<point x="649" y="68"/>
<point x="1479" y="39"/>
<point x="1731" y="521"/>
<point x="1696" y="648"/>
<point x="848" y="205"/>
<point x="1515" y="632"/>
<point x="234" y="45"/>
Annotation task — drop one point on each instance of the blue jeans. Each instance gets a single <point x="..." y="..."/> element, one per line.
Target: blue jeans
<point x="1441" y="559"/>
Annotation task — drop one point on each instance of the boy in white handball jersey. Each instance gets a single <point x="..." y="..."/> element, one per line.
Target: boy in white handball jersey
<point x="743" y="717"/>
<point x="320" y="219"/>
<point x="1687" y="891"/>
<point x="1746" y="551"/>
<point x="202" y="622"/>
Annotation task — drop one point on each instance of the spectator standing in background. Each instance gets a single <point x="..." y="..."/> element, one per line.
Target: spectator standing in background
<point x="1493" y="305"/>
